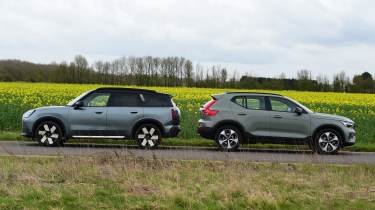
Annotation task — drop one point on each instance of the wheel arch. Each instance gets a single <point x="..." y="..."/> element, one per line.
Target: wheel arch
<point x="49" y="118"/>
<point x="146" y="121"/>
<point x="328" y="126"/>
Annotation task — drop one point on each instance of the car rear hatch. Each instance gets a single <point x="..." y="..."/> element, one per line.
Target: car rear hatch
<point x="207" y="109"/>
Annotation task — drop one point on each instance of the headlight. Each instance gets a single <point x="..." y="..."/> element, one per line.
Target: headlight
<point x="28" y="113"/>
<point x="348" y="124"/>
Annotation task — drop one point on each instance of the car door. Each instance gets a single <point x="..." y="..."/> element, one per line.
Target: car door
<point x="284" y="121"/>
<point x="251" y="112"/>
<point x="124" y="111"/>
<point x="91" y="118"/>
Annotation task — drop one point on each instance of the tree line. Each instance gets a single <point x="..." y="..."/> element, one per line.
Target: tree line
<point x="173" y="72"/>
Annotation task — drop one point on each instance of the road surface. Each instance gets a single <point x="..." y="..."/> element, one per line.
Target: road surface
<point x="187" y="153"/>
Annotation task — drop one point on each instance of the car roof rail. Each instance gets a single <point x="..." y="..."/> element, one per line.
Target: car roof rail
<point x="125" y="89"/>
<point x="262" y="93"/>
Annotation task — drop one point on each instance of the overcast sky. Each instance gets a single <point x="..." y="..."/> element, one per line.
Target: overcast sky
<point x="259" y="37"/>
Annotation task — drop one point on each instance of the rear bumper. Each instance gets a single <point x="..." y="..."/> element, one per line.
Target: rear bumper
<point x="172" y="131"/>
<point x="206" y="132"/>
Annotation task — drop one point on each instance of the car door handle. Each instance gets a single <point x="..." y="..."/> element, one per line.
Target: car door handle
<point x="277" y="116"/>
<point x="134" y="112"/>
<point x="98" y="112"/>
<point x="241" y="114"/>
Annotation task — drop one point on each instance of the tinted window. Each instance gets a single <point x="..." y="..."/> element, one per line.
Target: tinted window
<point x="282" y="105"/>
<point x="157" y="100"/>
<point x="250" y="102"/>
<point x="96" y="100"/>
<point x="240" y="101"/>
<point x="124" y="100"/>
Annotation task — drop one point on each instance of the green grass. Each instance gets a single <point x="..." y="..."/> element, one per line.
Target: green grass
<point x="192" y="142"/>
<point x="107" y="182"/>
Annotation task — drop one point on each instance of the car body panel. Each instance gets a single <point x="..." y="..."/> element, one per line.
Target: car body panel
<point x="120" y="120"/>
<point x="88" y="121"/>
<point x="255" y="122"/>
<point x="289" y="125"/>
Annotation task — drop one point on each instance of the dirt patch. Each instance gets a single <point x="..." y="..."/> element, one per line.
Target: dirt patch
<point x="142" y="190"/>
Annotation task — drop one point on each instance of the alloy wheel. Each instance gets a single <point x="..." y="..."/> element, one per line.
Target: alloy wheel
<point x="328" y="142"/>
<point x="148" y="136"/>
<point x="228" y="139"/>
<point x="48" y="133"/>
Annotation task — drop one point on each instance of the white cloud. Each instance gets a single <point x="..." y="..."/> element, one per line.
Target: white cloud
<point x="261" y="37"/>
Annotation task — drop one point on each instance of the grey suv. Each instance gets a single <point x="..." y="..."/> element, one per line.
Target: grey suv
<point x="114" y="113"/>
<point x="237" y="117"/>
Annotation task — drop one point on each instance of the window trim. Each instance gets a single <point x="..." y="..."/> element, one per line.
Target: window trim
<point x="247" y="96"/>
<point x="140" y="102"/>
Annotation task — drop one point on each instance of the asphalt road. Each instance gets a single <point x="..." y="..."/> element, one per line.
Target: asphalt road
<point x="187" y="153"/>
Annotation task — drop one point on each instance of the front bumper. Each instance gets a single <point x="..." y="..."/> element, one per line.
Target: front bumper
<point x="27" y="128"/>
<point x="350" y="140"/>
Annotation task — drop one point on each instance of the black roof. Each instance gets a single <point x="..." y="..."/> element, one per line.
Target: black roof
<point x="125" y="89"/>
<point x="274" y="94"/>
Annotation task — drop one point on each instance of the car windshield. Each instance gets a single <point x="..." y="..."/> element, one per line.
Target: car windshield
<point x="77" y="98"/>
<point x="301" y="105"/>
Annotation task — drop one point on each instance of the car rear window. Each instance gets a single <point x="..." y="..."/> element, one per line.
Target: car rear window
<point x="124" y="100"/>
<point x="156" y="100"/>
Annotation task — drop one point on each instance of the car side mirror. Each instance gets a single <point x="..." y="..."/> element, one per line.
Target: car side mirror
<point x="298" y="110"/>
<point x="78" y="104"/>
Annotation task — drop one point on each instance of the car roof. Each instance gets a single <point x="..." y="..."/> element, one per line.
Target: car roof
<point x="134" y="90"/>
<point x="111" y="89"/>
<point x="254" y="93"/>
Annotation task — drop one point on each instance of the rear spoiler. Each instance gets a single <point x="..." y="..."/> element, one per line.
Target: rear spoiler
<point x="164" y="94"/>
<point x="217" y="96"/>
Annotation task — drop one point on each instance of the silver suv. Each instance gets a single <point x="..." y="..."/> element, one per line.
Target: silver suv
<point x="114" y="113"/>
<point x="237" y="117"/>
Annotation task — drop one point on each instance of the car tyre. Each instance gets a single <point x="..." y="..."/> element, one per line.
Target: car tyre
<point x="148" y="136"/>
<point x="49" y="133"/>
<point x="327" y="141"/>
<point x="228" y="138"/>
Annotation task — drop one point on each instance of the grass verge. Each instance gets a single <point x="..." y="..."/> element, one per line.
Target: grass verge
<point x="108" y="182"/>
<point x="196" y="142"/>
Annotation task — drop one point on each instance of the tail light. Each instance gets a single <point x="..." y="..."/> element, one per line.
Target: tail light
<point x="175" y="116"/>
<point x="207" y="108"/>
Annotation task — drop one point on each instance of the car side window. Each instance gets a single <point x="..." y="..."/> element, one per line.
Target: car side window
<point x="96" y="100"/>
<point x="155" y="100"/>
<point x="282" y="105"/>
<point x="240" y="100"/>
<point x="124" y="100"/>
<point x="250" y="102"/>
<point x="255" y="103"/>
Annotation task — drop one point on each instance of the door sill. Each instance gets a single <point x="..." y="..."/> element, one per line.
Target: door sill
<point x="99" y="137"/>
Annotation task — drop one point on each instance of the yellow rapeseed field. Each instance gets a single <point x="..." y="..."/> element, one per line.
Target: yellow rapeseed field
<point x="18" y="97"/>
